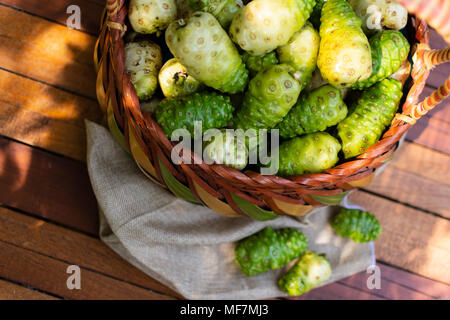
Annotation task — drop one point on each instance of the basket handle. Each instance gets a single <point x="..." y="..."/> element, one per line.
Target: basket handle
<point x="436" y="13"/>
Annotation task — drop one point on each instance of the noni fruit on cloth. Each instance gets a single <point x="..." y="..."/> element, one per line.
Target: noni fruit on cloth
<point x="389" y="51"/>
<point x="201" y="45"/>
<point x="309" y="272"/>
<point x="257" y="63"/>
<point x="263" y="25"/>
<point x="223" y="10"/>
<point x="344" y="53"/>
<point x="311" y="153"/>
<point x="142" y="61"/>
<point x="226" y="148"/>
<point x="358" y="225"/>
<point x="376" y="14"/>
<point x="369" y="116"/>
<point x="212" y="109"/>
<point x="150" y="16"/>
<point x="301" y="53"/>
<point x="314" y="111"/>
<point x="175" y="81"/>
<point x="269" y="249"/>
<point x="270" y="96"/>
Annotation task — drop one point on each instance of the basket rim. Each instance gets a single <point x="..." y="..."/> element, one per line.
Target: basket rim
<point x="221" y="180"/>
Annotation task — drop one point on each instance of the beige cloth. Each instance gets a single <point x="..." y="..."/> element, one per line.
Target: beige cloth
<point x="188" y="247"/>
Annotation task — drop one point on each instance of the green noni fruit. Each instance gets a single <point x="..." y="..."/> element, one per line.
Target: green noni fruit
<point x="314" y="111"/>
<point x="269" y="249"/>
<point x="389" y="50"/>
<point x="344" y="53"/>
<point x="175" y="81"/>
<point x="201" y="45"/>
<point x="309" y="272"/>
<point x="311" y="153"/>
<point x="301" y="53"/>
<point x="257" y="63"/>
<point x="270" y="96"/>
<point x="151" y="16"/>
<point x="228" y="149"/>
<point x="223" y="10"/>
<point x="263" y="25"/>
<point x="142" y="61"/>
<point x="358" y="225"/>
<point x="369" y="116"/>
<point x="212" y="109"/>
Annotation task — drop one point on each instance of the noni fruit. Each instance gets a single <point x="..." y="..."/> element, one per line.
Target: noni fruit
<point x="142" y="61"/>
<point x="269" y="249"/>
<point x="262" y="25"/>
<point x="150" y="16"/>
<point x="344" y="53"/>
<point x="226" y="148"/>
<point x="309" y="272"/>
<point x="311" y="153"/>
<point x="257" y="63"/>
<point x="270" y="96"/>
<point x="175" y="81"/>
<point x="301" y="53"/>
<point x="358" y="225"/>
<point x="314" y="111"/>
<point x="212" y="109"/>
<point x="223" y="10"/>
<point x="376" y="14"/>
<point x="389" y="50"/>
<point x="369" y="116"/>
<point x="201" y="45"/>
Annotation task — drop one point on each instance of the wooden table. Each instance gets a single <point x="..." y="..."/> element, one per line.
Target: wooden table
<point x="48" y="213"/>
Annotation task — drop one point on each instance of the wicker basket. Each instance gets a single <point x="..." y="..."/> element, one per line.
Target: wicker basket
<point x="234" y="193"/>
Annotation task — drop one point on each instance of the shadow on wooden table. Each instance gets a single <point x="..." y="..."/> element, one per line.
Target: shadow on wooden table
<point x="47" y="84"/>
<point x="47" y="80"/>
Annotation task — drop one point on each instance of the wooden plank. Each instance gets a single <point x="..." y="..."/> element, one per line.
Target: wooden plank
<point x="425" y="190"/>
<point x="388" y="288"/>
<point x="411" y="239"/>
<point x="432" y="133"/>
<point x="426" y="286"/>
<point x="72" y="247"/>
<point x="337" y="291"/>
<point x="50" y="275"/>
<point x="422" y="161"/>
<point x="87" y="252"/>
<point x="11" y="291"/>
<point x="47" y="185"/>
<point x="44" y="116"/>
<point x="91" y="11"/>
<point x="47" y="51"/>
<point x="395" y="284"/>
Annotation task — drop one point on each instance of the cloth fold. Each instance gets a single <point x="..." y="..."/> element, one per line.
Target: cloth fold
<point x="188" y="247"/>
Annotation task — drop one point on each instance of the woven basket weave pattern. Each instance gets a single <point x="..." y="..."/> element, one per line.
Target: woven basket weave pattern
<point x="226" y="190"/>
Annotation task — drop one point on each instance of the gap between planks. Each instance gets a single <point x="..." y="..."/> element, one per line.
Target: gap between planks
<point x="69" y="247"/>
<point x="13" y="291"/>
<point x="73" y="209"/>
<point x="49" y="275"/>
